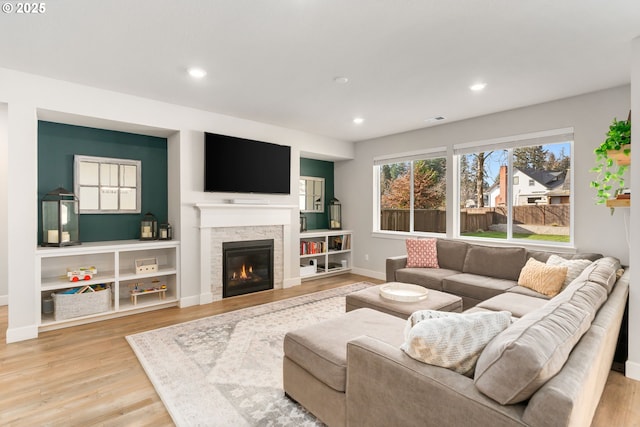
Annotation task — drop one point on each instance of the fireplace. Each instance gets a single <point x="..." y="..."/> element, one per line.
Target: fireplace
<point x="247" y="266"/>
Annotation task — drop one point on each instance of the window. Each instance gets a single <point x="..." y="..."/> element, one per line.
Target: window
<point x="106" y="185"/>
<point x="493" y="203"/>
<point x="411" y="194"/>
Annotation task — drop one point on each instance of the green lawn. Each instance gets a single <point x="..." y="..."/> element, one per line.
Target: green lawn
<point x="503" y="235"/>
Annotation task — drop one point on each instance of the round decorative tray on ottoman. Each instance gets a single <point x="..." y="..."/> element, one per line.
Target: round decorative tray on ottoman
<point x="403" y="292"/>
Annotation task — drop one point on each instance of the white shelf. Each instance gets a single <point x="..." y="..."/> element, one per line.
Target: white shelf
<point x="330" y="260"/>
<point x="115" y="262"/>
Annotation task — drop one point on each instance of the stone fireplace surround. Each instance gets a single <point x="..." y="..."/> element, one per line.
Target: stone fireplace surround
<point x="234" y="222"/>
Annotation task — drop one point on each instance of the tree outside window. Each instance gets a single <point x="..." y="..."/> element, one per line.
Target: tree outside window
<point x="413" y="196"/>
<point x="538" y="209"/>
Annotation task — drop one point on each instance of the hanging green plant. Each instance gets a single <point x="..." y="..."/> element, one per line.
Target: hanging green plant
<point x="612" y="161"/>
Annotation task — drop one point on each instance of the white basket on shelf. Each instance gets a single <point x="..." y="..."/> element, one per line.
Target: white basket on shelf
<point x="68" y="306"/>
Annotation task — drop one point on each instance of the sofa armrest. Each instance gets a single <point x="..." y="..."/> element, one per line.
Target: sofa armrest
<point x="386" y="387"/>
<point x="393" y="264"/>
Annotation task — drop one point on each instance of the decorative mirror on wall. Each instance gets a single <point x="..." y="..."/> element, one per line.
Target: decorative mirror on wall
<point x="311" y="194"/>
<point x="107" y="185"/>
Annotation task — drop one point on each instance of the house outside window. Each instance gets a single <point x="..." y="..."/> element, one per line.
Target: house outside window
<point x="541" y="210"/>
<point x="411" y="192"/>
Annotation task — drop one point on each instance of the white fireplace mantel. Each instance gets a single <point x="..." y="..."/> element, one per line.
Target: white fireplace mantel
<point x="219" y="215"/>
<point x="242" y="215"/>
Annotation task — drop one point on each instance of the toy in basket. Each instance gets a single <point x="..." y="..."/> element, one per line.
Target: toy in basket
<point x="81" y="273"/>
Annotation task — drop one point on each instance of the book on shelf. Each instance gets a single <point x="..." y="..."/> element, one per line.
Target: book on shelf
<point x="310" y="247"/>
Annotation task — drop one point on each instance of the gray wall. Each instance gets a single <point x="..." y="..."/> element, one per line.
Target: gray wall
<point x="633" y="364"/>
<point x="4" y="245"/>
<point x="590" y="115"/>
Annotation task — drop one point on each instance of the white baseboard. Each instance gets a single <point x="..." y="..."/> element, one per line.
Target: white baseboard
<point x="4" y="299"/>
<point x="369" y="273"/>
<point x="288" y="283"/>
<point x="22" y="334"/>
<point x="206" y="298"/>
<point x="189" y="301"/>
<point x="632" y="370"/>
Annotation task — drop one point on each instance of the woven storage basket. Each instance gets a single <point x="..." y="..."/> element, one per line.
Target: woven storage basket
<point x="67" y="306"/>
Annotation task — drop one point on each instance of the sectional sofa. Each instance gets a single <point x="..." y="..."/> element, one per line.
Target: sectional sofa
<point x="548" y="368"/>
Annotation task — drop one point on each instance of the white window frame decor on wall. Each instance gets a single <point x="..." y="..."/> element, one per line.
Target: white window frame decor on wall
<point x="107" y="185"/>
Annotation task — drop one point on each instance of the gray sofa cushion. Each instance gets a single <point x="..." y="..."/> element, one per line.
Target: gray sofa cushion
<point x="543" y="256"/>
<point x="522" y="358"/>
<point x="501" y="263"/>
<point x="603" y="272"/>
<point x="430" y="278"/>
<point x="451" y="254"/>
<point x="321" y="348"/>
<point x="526" y="291"/>
<point x="476" y="287"/>
<point x="517" y="304"/>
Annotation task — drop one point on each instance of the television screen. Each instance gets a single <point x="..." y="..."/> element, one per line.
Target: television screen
<point x="238" y="165"/>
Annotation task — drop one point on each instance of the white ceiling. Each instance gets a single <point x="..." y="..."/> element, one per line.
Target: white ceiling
<point x="274" y="61"/>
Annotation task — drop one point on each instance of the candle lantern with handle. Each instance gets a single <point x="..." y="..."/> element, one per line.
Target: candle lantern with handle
<point x="149" y="227"/>
<point x="60" y="217"/>
<point x="335" y="214"/>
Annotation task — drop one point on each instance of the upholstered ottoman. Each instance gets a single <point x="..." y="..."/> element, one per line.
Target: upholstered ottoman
<point x="315" y="359"/>
<point x="370" y="298"/>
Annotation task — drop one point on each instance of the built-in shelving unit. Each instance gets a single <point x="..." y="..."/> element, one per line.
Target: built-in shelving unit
<point x="324" y="252"/>
<point x="115" y="262"/>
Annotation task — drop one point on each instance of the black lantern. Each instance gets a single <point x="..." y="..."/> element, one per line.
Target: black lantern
<point x="166" y="233"/>
<point x="149" y="227"/>
<point x="60" y="216"/>
<point x="335" y="214"/>
<point x="303" y="222"/>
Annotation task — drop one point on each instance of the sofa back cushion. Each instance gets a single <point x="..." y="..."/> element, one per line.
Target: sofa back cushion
<point x="516" y="363"/>
<point x="501" y="263"/>
<point x="604" y="272"/>
<point x="451" y="254"/>
<point x="543" y="256"/>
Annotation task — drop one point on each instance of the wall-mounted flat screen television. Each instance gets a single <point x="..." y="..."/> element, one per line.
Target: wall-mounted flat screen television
<point x="238" y="165"/>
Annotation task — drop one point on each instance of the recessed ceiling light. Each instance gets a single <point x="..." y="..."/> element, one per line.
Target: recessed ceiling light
<point x="358" y="120"/>
<point x="341" y="80"/>
<point x="197" y="73"/>
<point x="478" y="87"/>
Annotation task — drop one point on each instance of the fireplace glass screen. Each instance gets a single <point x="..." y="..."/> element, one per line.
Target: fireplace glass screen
<point x="247" y="267"/>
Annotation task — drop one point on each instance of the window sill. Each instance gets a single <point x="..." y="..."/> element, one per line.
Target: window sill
<point x="541" y="246"/>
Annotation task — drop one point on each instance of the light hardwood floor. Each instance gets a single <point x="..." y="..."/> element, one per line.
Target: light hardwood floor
<point x="88" y="375"/>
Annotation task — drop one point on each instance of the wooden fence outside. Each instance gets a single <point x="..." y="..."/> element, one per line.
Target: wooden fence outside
<point x="474" y="219"/>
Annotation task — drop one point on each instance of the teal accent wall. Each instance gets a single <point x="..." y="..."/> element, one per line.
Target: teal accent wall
<point x="57" y="144"/>
<point x="322" y="169"/>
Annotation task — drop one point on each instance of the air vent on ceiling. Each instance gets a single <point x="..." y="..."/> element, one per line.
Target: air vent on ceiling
<point x="435" y="119"/>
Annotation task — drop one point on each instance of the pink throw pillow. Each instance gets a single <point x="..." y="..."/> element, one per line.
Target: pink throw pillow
<point x="422" y="253"/>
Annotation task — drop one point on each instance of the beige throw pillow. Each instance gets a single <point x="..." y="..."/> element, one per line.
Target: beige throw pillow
<point x="452" y="340"/>
<point x="541" y="277"/>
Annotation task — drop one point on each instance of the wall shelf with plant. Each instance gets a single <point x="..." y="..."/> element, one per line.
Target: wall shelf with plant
<point x="613" y="158"/>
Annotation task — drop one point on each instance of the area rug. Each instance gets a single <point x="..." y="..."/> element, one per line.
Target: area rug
<point x="226" y="370"/>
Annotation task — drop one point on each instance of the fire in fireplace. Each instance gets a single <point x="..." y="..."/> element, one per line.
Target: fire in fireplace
<point x="247" y="267"/>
